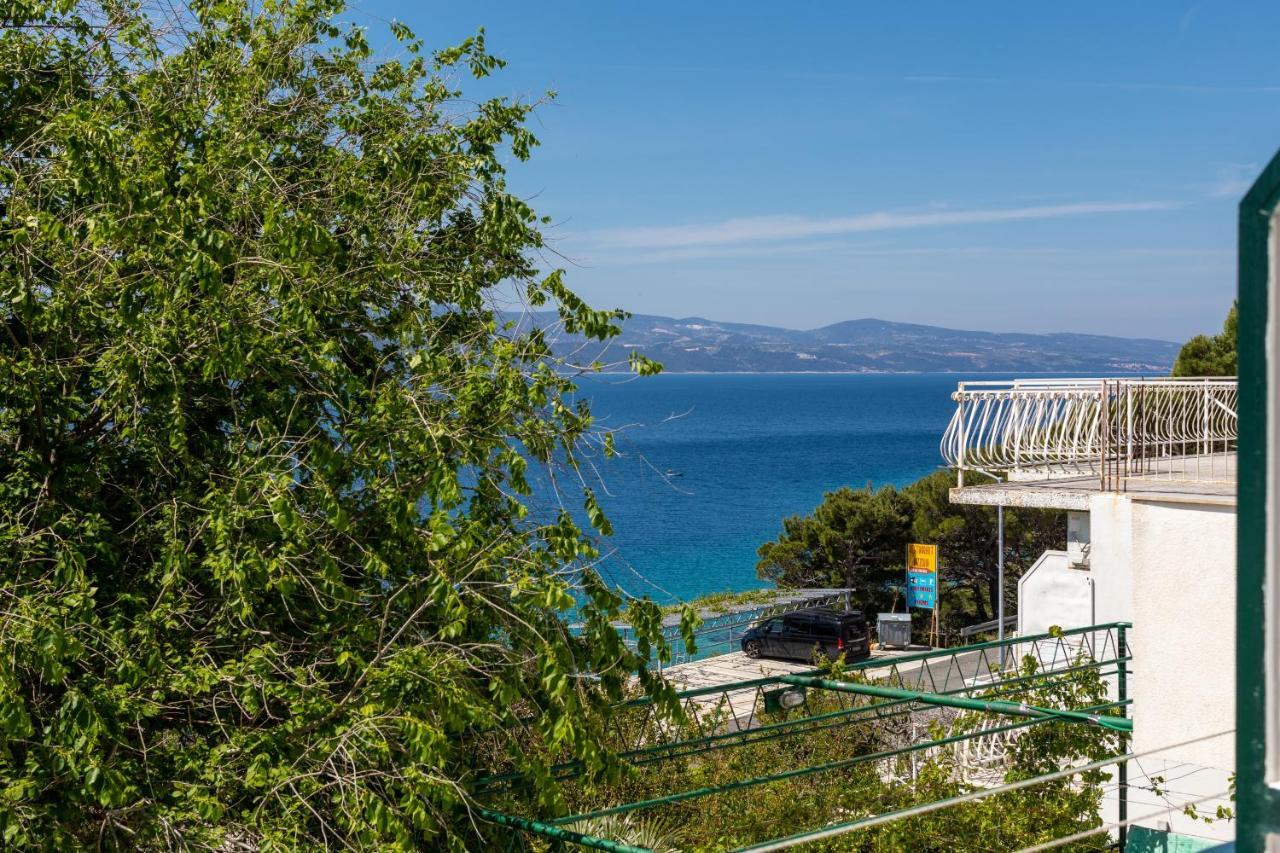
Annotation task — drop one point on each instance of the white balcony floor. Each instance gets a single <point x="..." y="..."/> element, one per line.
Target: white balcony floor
<point x="1209" y="479"/>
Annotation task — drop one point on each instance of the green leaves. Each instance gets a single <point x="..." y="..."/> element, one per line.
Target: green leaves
<point x="743" y="815"/>
<point x="596" y="515"/>
<point x="271" y="571"/>
<point x="1211" y="356"/>
<point x="855" y="538"/>
<point x="858" y="538"/>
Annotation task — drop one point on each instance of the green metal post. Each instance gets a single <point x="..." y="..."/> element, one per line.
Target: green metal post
<point x="1122" y="688"/>
<point x="557" y="834"/>
<point x="1016" y="709"/>
<point x="1258" y="802"/>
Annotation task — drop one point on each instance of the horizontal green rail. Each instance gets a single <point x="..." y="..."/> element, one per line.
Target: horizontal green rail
<point x="695" y="692"/>
<point x="835" y="829"/>
<point x="877" y="663"/>
<point x="558" y="833"/>
<point x="899" y="698"/>
<point x="1017" y="709"/>
<point x="816" y="768"/>
<point x="786" y="728"/>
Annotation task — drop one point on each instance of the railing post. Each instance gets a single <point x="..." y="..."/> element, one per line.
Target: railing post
<point x="963" y="438"/>
<point x="1122" y="693"/>
<point x="1206" y="448"/>
<point x="1128" y="405"/>
<point x="1104" y="428"/>
<point x="1014" y="406"/>
<point x="1142" y="427"/>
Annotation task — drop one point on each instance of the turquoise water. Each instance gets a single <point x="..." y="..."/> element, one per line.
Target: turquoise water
<point x="749" y="450"/>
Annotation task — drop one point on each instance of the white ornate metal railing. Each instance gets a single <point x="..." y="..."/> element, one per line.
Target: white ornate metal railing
<point x="1116" y="429"/>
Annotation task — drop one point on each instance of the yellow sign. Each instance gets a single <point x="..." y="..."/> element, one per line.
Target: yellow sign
<point x="922" y="558"/>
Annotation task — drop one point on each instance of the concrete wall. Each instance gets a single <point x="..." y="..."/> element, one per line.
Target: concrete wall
<point x="1111" y="557"/>
<point x="1051" y="592"/>
<point x="1170" y="569"/>
<point x="1184" y="571"/>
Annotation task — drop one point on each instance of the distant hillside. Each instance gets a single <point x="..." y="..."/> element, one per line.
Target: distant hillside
<point x="692" y="344"/>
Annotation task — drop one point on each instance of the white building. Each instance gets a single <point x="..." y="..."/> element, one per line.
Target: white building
<point x="1146" y="470"/>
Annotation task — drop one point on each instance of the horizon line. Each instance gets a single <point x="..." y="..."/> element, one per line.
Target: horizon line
<point x="698" y="318"/>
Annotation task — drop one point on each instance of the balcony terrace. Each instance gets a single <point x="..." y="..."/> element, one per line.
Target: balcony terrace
<point x="1056" y="442"/>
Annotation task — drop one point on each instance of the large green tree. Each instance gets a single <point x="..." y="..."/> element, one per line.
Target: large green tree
<point x="1211" y="356"/>
<point x="269" y="576"/>
<point x="967" y="537"/>
<point x="856" y="538"/>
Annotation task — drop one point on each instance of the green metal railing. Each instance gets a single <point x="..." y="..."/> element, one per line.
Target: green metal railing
<point x="810" y="770"/>
<point x="831" y="830"/>
<point x="908" y="683"/>
<point x="1015" y="709"/>
<point x="799" y="725"/>
<point x="557" y="833"/>
<point x="943" y="671"/>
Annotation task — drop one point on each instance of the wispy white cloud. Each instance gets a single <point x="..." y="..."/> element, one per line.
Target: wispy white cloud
<point x="1234" y="179"/>
<point x="1188" y="16"/>
<point x="1230" y="187"/>
<point x="646" y="257"/>
<point x="1192" y="88"/>
<point x="761" y="229"/>
<point x="944" y="79"/>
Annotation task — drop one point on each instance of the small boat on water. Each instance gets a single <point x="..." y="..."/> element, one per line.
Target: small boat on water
<point x="672" y="472"/>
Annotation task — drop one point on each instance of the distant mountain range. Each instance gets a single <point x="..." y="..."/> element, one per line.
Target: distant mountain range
<point x="695" y="345"/>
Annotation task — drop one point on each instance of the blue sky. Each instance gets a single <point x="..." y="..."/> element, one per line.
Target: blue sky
<point x="1003" y="166"/>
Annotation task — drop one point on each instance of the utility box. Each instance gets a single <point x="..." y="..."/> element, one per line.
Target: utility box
<point x="894" y="630"/>
<point x="1079" y="543"/>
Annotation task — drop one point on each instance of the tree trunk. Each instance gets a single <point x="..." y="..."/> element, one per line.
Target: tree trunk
<point x="979" y="602"/>
<point x="993" y="589"/>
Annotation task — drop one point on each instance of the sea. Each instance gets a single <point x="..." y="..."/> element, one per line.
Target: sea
<point x="709" y="465"/>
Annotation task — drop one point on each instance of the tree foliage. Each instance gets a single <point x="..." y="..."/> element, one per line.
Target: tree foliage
<point x="268" y="567"/>
<point x="740" y="816"/>
<point x="855" y="538"/>
<point x="858" y="539"/>
<point x="1211" y="356"/>
<point x="1038" y="814"/>
<point x="967" y="537"/>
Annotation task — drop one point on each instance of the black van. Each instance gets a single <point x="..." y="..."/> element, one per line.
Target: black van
<point x="804" y="633"/>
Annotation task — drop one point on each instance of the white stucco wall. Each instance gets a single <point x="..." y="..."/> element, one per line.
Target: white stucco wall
<point x="1169" y="568"/>
<point x="1159" y="804"/>
<point x="1052" y="593"/>
<point x="1184" y="579"/>
<point x="1110" y="557"/>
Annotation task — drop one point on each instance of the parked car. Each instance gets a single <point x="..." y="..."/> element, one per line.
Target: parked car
<point x="802" y="634"/>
